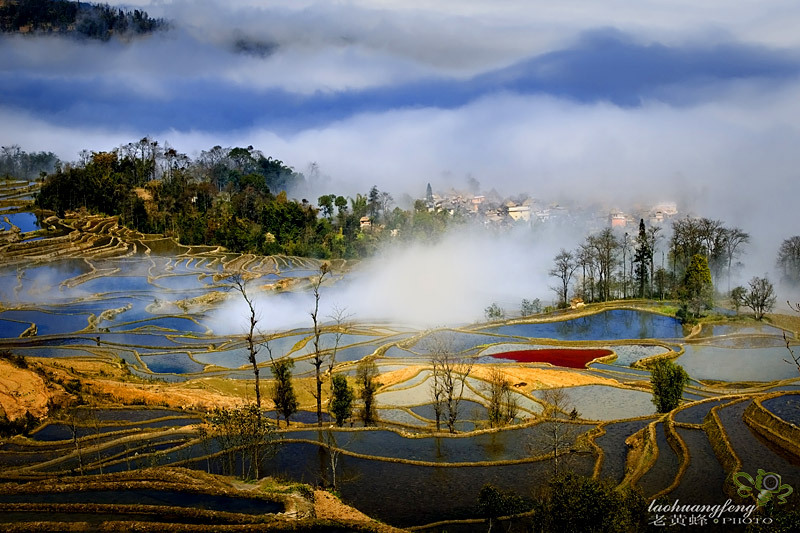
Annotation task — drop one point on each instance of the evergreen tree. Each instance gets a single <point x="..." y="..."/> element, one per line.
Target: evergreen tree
<point x="642" y="258"/>
<point x="668" y="380"/>
<point x="373" y="202"/>
<point x="283" y="394"/>
<point x="342" y="400"/>
<point x="697" y="290"/>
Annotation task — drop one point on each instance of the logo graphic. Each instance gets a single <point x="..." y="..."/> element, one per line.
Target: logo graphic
<point x="764" y="488"/>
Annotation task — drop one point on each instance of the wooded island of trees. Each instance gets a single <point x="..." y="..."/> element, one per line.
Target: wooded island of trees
<point x="93" y="21"/>
<point x="234" y="197"/>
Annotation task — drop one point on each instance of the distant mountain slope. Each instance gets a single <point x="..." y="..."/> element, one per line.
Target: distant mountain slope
<point x="83" y="19"/>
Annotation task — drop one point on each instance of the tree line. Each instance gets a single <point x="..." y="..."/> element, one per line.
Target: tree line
<point x="16" y="163"/>
<point x="93" y="21"/>
<point x="233" y="197"/>
<point x="693" y="264"/>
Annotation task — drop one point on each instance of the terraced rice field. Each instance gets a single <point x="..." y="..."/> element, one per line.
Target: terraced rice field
<point x="97" y="293"/>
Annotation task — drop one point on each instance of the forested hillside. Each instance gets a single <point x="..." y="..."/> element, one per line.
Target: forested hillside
<point x="235" y="197"/>
<point x="95" y="21"/>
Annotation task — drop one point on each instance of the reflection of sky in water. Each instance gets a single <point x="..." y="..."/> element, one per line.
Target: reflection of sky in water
<point x="328" y="340"/>
<point x="400" y="416"/>
<point x="24" y="221"/>
<point x="49" y="323"/>
<point x="456" y="341"/>
<point x="627" y="354"/>
<point x="714" y="330"/>
<point x="616" y="324"/>
<point x="182" y="282"/>
<point x="177" y="324"/>
<point x="737" y="364"/>
<point x="172" y="363"/>
<point x="117" y="283"/>
<point x="9" y="328"/>
<point x="602" y="402"/>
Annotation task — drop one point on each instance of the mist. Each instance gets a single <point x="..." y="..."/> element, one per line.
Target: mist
<point x="421" y="285"/>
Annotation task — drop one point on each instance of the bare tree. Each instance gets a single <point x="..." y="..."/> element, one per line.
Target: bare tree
<point x="761" y="297"/>
<point x="732" y="239"/>
<point x="789" y="259"/>
<point x="75" y="424"/>
<point x="585" y="257"/>
<point x="652" y="240"/>
<point x="503" y="407"/>
<point x="604" y="246"/>
<point x="316" y="283"/>
<point x="563" y="269"/>
<point x="240" y="284"/>
<point x="795" y="357"/>
<point x="342" y="326"/>
<point x="558" y="435"/>
<point x="450" y="373"/>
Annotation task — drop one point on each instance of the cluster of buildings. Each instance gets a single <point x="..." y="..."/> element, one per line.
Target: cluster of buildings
<point x="492" y="209"/>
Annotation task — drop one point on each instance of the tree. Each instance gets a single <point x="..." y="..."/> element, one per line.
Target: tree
<point x="240" y="284"/>
<point x="494" y="503"/>
<point x="449" y="376"/>
<point x="563" y="269"/>
<point x="604" y="251"/>
<point x="643" y="257"/>
<point x="789" y="259"/>
<point x="738" y="295"/>
<point x="760" y="298"/>
<point x="667" y="380"/>
<point x="316" y="283"/>
<point x="373" y="202"/>
<point x="697" y="290"/>
<point x="795" y="356"/>
<point x="325" y="204"/>
<point x="578" y="503"/>
<point x="732" y="240"/>
<point x="340" y="318"/>
<point x="585" y="257"/>
<point x="558" y="435"/>
<point x="367" y="381"/>
<point x="283" y="395"/>
<point x="386" y="202"/>
<point x="503" y="407"/>
<point x="494" y="312"/>
<point x="530" y="307"/>
<point x="342" y="400"/>
<point x="243" y="430"/>
<point x="652" y="241"/>
<point x="686" y="242"/>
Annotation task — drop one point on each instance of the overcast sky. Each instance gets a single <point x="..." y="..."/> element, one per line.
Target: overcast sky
<point x="697" y="102"/>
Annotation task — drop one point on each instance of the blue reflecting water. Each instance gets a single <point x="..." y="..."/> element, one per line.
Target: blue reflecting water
<point x="173" y="363"/>
<point x="10" y="329"/>
<point x="615" y="324"/>
<point x="49" y="323"/>
<point x="602" y="402"/>
<point x="24" y="221"/>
